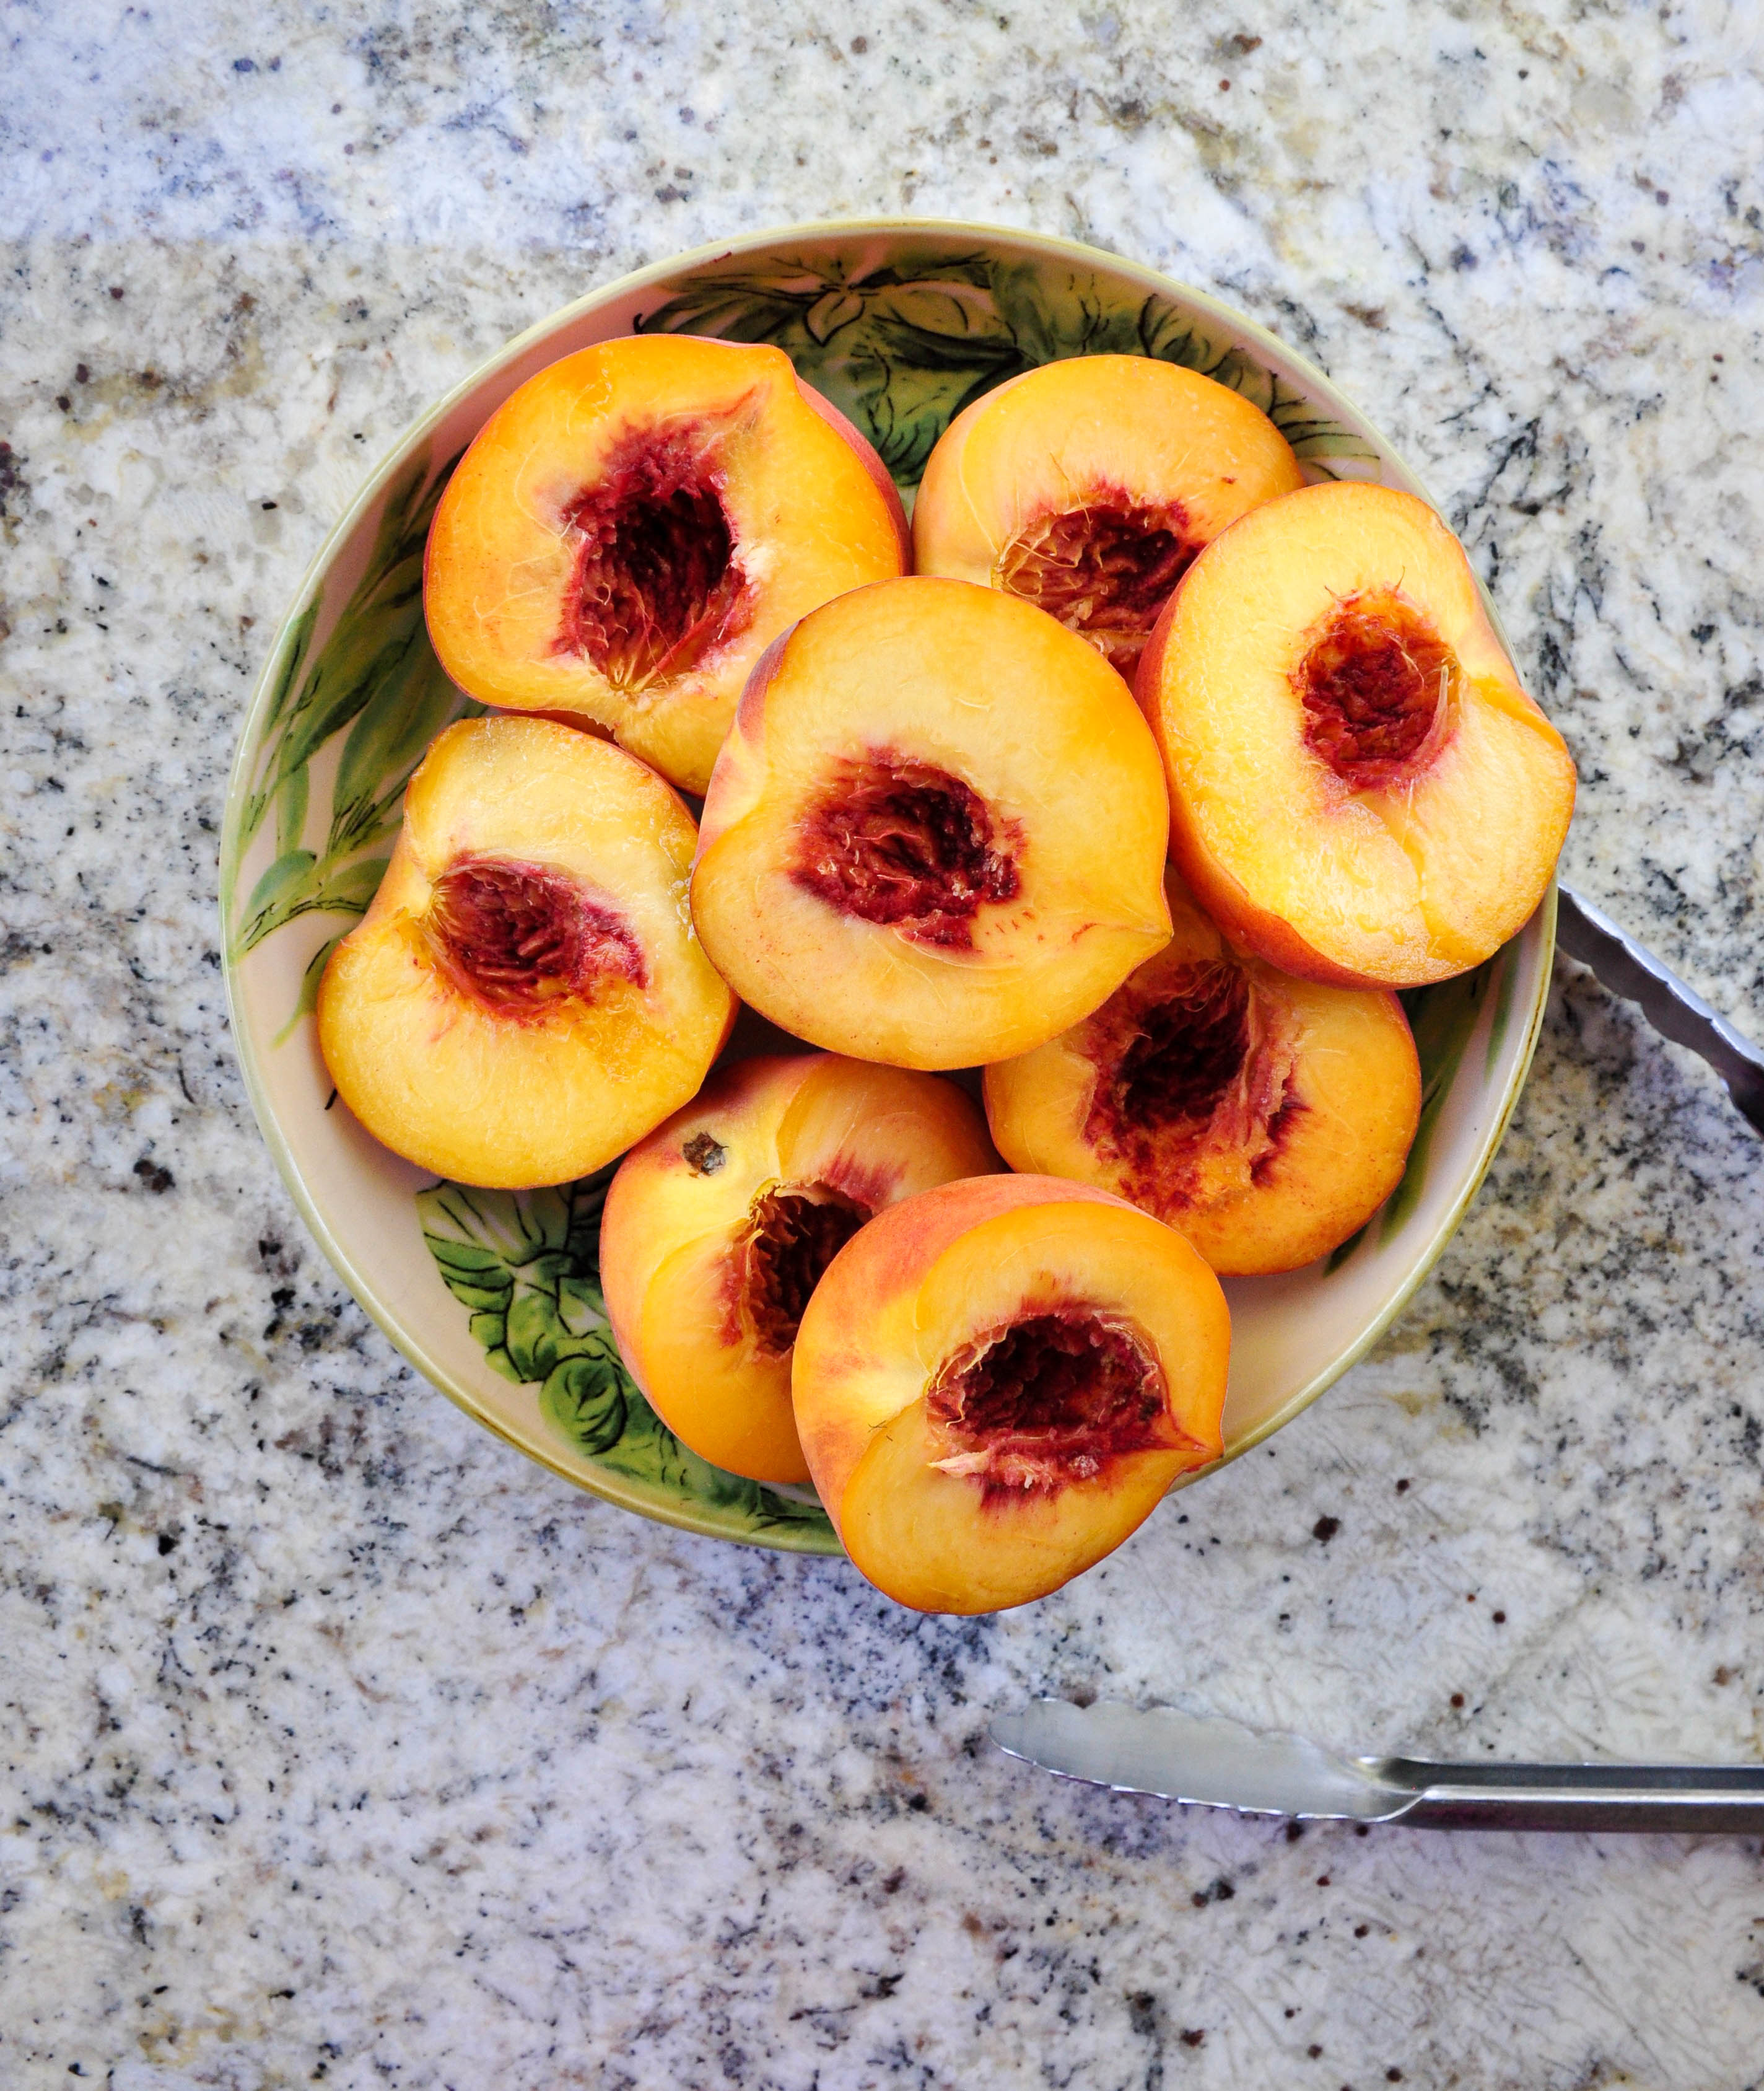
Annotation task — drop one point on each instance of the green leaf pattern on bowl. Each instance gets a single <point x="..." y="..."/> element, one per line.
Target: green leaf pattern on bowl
<point x="1443" y="1019"/>
<point x="376" y="677"/>
<point x="902" y="348"/>
<point x="525" y="1265"/>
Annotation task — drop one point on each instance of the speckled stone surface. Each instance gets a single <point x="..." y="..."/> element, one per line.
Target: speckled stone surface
<point x="339" y="1745"/>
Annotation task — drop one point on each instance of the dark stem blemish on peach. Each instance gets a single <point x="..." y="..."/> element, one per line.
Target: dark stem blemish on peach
<point x="517" y="937"/>
<point x="1050" y="1399"/>
<point x="1374" y="685"/>
<point x="908" y="846"/>
<point x="657" y="580"/>
<point x="1105" y="570"/>
<point x="704" y="1155"/>
<point x="793" y="1232"/>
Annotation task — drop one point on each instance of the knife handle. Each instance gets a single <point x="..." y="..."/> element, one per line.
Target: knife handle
<point x="1727" y="1799"/>
<point x="1676" y="1011"/>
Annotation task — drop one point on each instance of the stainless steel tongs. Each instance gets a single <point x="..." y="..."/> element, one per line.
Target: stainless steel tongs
<point x="1676" y="1011"/>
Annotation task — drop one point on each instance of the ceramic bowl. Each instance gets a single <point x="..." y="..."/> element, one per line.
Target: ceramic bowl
<point x="494" y="1296"/>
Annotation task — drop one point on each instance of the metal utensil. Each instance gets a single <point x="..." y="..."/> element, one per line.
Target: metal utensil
<point x="1217" y="1763"/>
<point x="1676" y="1011"/>
<point x="1214" y="1763"/>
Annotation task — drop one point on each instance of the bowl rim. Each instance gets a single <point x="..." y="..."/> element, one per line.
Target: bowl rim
<point x="407" y="1341"/>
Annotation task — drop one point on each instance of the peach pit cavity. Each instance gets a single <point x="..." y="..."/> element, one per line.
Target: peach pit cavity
<point x="906" y="846"/>
<point x="1193" y="1085"/>
<point x="1104" y="570"/>
<point x="1188" y="1048"/>
<point x="517" y="937"/>
<point x="1048" y="1399"/>
<point x="793" y="1232"/>
<point x="656" y="580"/>
<point x="1374" y="685"/>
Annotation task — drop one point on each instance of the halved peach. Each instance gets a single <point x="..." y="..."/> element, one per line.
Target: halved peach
<point x="525" y="996"/>
<point x="995" y="1381"/>
<point x="718" y="1227"/>
<point x="936" y="835"/>
<point x="1360" y="789"/>
<point x="1265" y="1118"/>
<point x="635" y="524"/>
<point x="1087" y="487"/>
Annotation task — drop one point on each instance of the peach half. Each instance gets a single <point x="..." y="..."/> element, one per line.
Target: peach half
<point x="635" y="524"/>
<point x="1087" y="487"/>
<point x="936" y="835"/>
<point x="525" y="996"/>
<point x="995" y="1381"/>
<point x="1360" y="789"/>
<point x="718" y="1227"/>
<point x="1265" y="1118"/>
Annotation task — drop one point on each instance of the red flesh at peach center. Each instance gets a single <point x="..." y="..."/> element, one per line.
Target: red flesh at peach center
<point x="1375" y="685"/>
<point x="1188" y="1050"/>
<point x="908" y="846"/>
<point x="794" y="1230"/>
<point x="517" y="937"/>
<point x="1104" y="570"/>
<point x="657" y="581"/>
<point x="1195" y="1065"/>
<point x="1050" y="1399"/>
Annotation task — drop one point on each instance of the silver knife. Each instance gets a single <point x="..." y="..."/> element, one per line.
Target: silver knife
<point x="1215" y="1763"/>
<point x="1210" y="1762"/>
<point x="1676" y="1011"/>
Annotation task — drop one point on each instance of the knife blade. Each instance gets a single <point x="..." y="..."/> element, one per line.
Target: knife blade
<point x="1205" y="1760"/>
<point x="1675" y="1010"/>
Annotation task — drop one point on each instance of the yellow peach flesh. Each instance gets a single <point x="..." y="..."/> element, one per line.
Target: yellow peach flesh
<point x="1416" y="875"/>
<point x="934" y="1275"/>
<point x="1080" y="484"/>
<point x="790" y="503"/>
<point x="927" y="678"/>
<point x="678" y="1233"/>
<point x="1284" y="1160"/>
<point x="489" y="1094"/>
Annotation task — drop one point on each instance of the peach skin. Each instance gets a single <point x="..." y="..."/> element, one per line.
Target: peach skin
<point x="936" y="835"/>
<point x="1087" y="486"/>
<point x="717" y="1228"/>
<point x="995" y="1381"/>
<point x="636" y="524"/>
<point x="1265" y="1118"/>
<point x="1360" y="792"/>
<point x="525" y="996"/>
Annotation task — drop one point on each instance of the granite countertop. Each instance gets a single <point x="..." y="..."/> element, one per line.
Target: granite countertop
<point x="341" y="1745"/>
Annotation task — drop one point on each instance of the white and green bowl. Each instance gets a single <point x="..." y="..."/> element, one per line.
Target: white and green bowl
<point x="495" y="1295"/>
